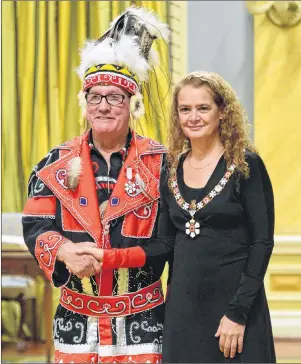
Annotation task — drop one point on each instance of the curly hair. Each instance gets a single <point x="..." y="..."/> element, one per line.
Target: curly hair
<point x="234" y="128"/>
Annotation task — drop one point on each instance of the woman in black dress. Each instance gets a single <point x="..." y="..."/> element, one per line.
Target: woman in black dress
<point x="217" y="213"/>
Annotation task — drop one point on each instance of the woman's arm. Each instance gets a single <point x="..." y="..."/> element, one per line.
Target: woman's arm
<point x="138" y="256"/>
<point x="258" y="204"/>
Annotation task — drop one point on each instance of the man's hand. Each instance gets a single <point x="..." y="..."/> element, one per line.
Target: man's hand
<point x="231" y="337"/>
<point x="92" y="250"/>
<point x="81" y="265"/>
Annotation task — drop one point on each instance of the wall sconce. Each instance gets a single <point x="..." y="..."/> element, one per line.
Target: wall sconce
<point x="282" y="13"/>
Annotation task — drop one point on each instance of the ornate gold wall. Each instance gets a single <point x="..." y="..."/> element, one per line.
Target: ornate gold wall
<point x="277" y="134"/>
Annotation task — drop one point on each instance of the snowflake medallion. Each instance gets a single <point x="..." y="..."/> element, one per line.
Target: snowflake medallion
<point x="192" y="228"/>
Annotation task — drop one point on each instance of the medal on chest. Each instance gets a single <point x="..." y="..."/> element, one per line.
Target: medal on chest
<point x="135" y="185"/>
<point x="192" y="226"/>
<point x="132" y="187"/>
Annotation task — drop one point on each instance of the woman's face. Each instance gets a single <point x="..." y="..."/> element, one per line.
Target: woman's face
<point x="198" y="114"/>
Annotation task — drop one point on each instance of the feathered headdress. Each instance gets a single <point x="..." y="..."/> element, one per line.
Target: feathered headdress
<point x="123" y="56"/>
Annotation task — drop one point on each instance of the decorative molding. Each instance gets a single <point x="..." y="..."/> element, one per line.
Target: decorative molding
<point x="12" y="239"/>
<point x="285" y="282"/>
<point x="177" y="19"/>
<point x="283" y="286"/>
<point x="286" y="324"/>
<point x="287" y="238"/>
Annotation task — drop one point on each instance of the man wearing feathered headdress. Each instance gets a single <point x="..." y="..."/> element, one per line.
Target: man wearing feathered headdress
<point x="103" y="188"/>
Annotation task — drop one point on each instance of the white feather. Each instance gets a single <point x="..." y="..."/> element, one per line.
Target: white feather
<point x="92" y="55"/>
<point x="153" y="58"/>
<point x="75" y="166"/>
<point x="126" y="53"/>
<point x="137" y="106"/>
<point x="139" y="181"/>
<point x="141" y="185"/>
<point x="82" y="102"/>
<point x="74" y="172"/>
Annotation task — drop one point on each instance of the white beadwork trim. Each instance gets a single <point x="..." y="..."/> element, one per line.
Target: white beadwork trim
<point x="32" y="214"/>
<point x="109" y="350"/>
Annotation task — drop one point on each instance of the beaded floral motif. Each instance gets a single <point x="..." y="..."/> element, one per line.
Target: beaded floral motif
<point x="192" y="227"/>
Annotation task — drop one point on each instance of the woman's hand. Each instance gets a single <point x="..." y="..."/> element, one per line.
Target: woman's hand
<point x="95" y="252"/>
<point x="82" y="266"/>
<point x="231" y="336"/>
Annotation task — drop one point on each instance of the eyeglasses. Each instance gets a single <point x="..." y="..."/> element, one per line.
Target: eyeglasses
<point x="112" y="99"/>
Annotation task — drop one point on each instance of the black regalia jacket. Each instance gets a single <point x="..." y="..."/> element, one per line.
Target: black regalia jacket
<point x="117" y="315"/>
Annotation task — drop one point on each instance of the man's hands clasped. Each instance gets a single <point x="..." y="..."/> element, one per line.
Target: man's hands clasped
<point x="79" y="263"/>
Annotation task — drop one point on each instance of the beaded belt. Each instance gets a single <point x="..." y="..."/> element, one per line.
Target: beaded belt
<point x="113" y="306"/>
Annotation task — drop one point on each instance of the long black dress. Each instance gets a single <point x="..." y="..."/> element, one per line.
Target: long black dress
<point x="221" y="270"/>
